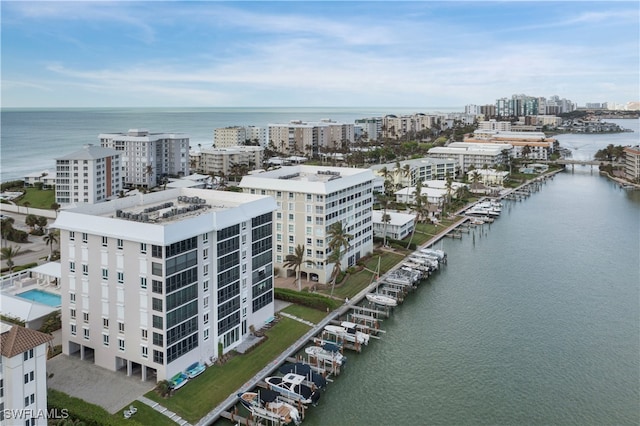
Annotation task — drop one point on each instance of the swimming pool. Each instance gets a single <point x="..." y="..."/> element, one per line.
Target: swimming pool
<point x="42" y="297"/>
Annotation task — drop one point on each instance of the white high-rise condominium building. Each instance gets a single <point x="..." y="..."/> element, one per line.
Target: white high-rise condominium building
<point x="90" y="175"/>
<point x="153" y="283"/>
<point x="309" y="200"/>
<point x="148" y="158"/>
<point x="23" y="376"/>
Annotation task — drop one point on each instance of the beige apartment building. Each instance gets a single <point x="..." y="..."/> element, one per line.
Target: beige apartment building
<point x="221" y="160"/>
<point x="310" y="138"/>
<point x="632" y="163"/>
<point x="309" y="200"/>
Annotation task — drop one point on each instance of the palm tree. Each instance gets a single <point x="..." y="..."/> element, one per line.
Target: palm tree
<point x="8" y="253"/>
<point x="386" y="218"/>
<point x="335" y="257"/>
<point x="56" y="207"/>
<point x="26" y="204"/>
<point x="50" y="239"/>
<point x="7" y="227"/>
<point x="449" y="187"/>
<point x="338" y="236"/>
<point x="295" y="261"/>
<point x="149" y="171"/>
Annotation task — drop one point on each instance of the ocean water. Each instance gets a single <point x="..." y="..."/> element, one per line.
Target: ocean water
<point x="31" y="139"/>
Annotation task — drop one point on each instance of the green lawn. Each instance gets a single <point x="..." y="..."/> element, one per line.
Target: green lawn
<point x="39" y="199"/>
<point x="355" y="283"/>
<point x="146" y="415"/>
<point x="309" y="314"/>
<point x="201" y="395"/>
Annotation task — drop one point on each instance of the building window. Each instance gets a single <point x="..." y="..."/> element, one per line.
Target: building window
<point x="157" y="321"/>
<point x="158" y="357"/>
<point x="85" y="237"/>
<point x="205" y="254"/>
<point x="156" y="286"/>
<point x="85" y="317"/>
<point x="72" y="266"/>
<point x="105" y="339"/>
<point x="105" y="241"/>
<point x="120" y="277"/>
<point x="157" y="339"/>
<point x="156" y="304"/>
<point x="72" y="297"/>
<point x="86" y="333"/>
<point x="143" y="248"/>
<point x="120" y="327"/>
<point x="206" y="302"/>
<point x="205" y="238"/>
<point x="72" y="236"/>
<point x="143" y="282"/>
<point x="119" y="244"/>
<point x="205" y="270"/>
<point x="206" y="334"/>
<point x="144" y="351"/>
<point x="156" y="251"/>
<point x="105" y="322"/>
<point x="206" y="319"/>
<point x="205" y="286"/>
<point x="85" y="269"/>
<point x="121" y="344"/>
<point x="72" y="313"/>
<point x="156" y="268"/>
<point x="105" y="273"/>
<point x="144" y="334"/>
<point x="73" y="329"/>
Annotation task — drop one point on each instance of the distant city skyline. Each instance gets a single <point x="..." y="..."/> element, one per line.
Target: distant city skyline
<point x="306" y="54"/>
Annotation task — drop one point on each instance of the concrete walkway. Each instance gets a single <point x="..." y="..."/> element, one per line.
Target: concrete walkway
<point x="111" y="390"/>
<point x="162" y="410"/>
<point x="293" y="317"/>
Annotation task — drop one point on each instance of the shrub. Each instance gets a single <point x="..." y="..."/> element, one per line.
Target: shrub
<point x="14" y="184"/>
<point x="311" y="300"/>
<point x="51" y="323"/>
<point x="25" y="266"/>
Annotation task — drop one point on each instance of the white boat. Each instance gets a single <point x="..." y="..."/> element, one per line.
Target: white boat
<point x="381" y="299"/>
<point x="348" y="332"/>
<point x="291" y="386"/>
<point x="267" y="405"/>
<point x="328" y="352"/>
<point x="439" y="254"/>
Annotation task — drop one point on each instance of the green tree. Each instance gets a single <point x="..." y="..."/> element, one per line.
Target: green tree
<point x="50" y="239"/>
<point x="8" y="253"/>
<point x="294" y="261"/>
<point x="31" y="221"/>
<point x="7" y="228"/>
<point x="338" y="236"/>
<point x="41" y="222"/>
<point x="335" y="257"/>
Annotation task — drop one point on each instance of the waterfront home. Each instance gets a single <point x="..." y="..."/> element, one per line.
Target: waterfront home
<point x="398" y="225"/>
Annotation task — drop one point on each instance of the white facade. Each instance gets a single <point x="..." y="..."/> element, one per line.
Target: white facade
<point x="539" y="146"/>
<point x="90" y="175"/>
<point x="310" y="199"/>
<point x="23" y="376"/>
<point x="488" y="177"/>
<point x="397" y="227"/>
<point x="495" y="125"/>
<point x="419" y="169"/>
<point x="147" y="158"/>
<point x="434" y="196"/>
<point x="473" y="154"/>
<point x="154" y="282"/>
<point x="45" y="177"/>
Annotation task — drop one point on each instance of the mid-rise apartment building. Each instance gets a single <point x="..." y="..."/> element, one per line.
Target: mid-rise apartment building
<point x="632" y="163"/>
<point x="90" y="175"/>
<point x="155" y="282"/>
<point x="532" y="145"/>
<point x="309" y="200"/>
<point x="225" y="137"/>
<point x="310" y="138"/>
<point x="409" y="172"/>
<point x="148" y="158"/>
<point x="222" y="160"/>
<point x="23" y="376"/>
<point x="474" y="154"/>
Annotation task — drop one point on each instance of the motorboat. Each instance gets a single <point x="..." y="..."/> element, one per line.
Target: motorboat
<point x="381" y="299"/>
<point x="348" y="332"/>
<point x="194" y="370"/>
<point x="292" y="386"/>
<point x="267" y="404"/>
<point x="312" y="379"/>
<point x="327" y="352"/>
<point x="441" y="255"/>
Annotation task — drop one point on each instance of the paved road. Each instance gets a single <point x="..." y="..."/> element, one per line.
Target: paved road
<point x="35" y="250"/>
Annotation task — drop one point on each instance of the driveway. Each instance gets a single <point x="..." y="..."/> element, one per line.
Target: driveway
<point x="109" y="389"/>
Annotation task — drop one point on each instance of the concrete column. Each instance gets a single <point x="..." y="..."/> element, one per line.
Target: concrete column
<point x="129" y="368"/>
<point x="144" y="373"/>
<point x="82" y="352"/>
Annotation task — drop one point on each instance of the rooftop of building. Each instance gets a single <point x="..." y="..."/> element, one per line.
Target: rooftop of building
<point x="308" y="179"/>
<point x="143" y="133"/>
<point x="90" y="152"/>
<point x="139" y="216"/>
<point x="396" y="218"/>
<point x="416" y="162"/>
<point x="15" y="339"/>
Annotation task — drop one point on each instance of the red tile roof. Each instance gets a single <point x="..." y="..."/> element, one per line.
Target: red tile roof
<point x="19" y="339"/>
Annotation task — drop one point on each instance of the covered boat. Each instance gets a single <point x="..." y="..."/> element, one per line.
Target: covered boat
<point x="267" y="404"/>
<point x="291" y="386"/>
<point x="348" y="332"/>
<point x="305" y="370"/>
<point x="327" y="352"/>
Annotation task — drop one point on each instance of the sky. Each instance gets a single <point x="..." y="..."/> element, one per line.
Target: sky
<point x="326" y="53"/>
